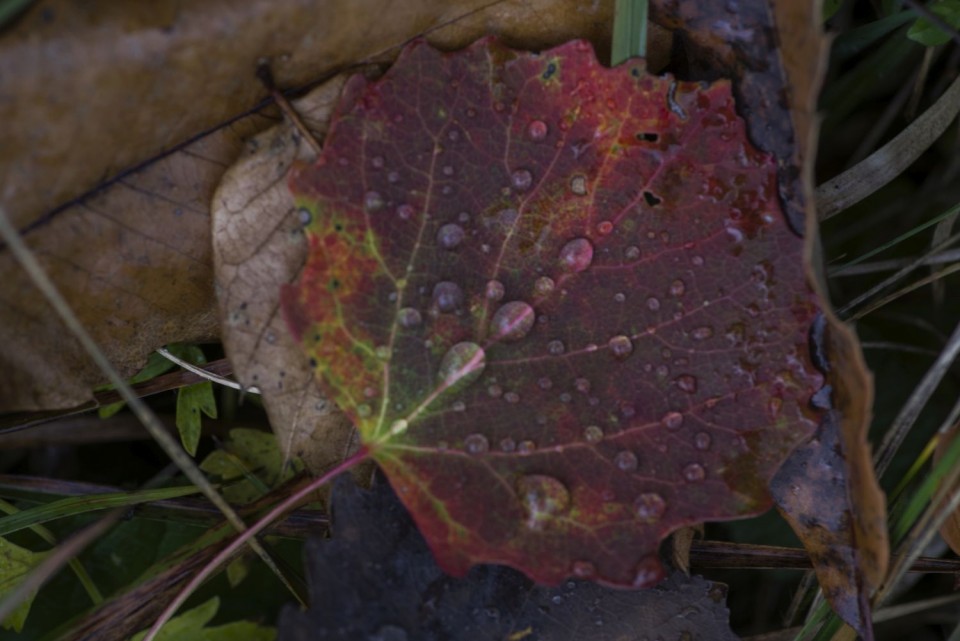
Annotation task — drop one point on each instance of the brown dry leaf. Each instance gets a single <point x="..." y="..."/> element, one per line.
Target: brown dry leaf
<point x="852" y="556"/>
<point x="96" y="86"/>
<point x="134" y="258"/>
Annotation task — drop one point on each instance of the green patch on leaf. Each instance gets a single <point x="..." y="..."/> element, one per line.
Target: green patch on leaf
<point x="254" y="456"/>
<point x="930" y="35"/>
<point x="192" y="626"/>
<point x="15" y="563"/>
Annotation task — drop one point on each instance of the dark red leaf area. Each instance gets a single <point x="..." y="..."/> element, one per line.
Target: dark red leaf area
<point x="560" y="301"/>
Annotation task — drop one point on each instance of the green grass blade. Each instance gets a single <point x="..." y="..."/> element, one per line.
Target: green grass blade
<point x="81" y="572"/>
<point x="83" y="504"/>
<point x="629" y="31"/>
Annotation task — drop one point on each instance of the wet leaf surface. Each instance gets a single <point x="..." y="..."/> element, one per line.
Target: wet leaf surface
<point x="376" y="579"/>
<point x="560" y="302"/>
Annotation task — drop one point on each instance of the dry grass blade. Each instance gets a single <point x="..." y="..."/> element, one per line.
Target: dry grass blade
<point x="927" y="280"/>
<point x="146" y="416"/>
<point x="883" y="165"/>
<point x="204" y="374"/>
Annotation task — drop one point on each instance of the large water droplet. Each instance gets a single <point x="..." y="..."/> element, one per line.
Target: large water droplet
<point x="686" y="383"/>
<point x="702" y="441"/>
<point x="672" y="420"/>
<point x="521" y="179"/>
<point x="576" y="255"/>
<point x="620" y="346"/>
<point x="476" y="444"/>
<point x="409" y="318"/>
<point x="626" y="461"/>
<point x="578" y="185"/>
<point x="512" y="321"/>
<point x="653" y="303"/>
<point x="405" y="212"/>
<point x="582" y="385"/>
<point x="677" y="288"/>
<point x="556" y="347"/>
<point x="593" y="434"/>
<point x="537" y="130"/>
<point x="650" y="506"/>
<point x="463" y="363"/>
<point x="543" y="497"/>
<point x="507" y="444"/>
<point x="373" y="201"/>
<point x="694" y="473"/>
<point x="543" y="286"/>
<point x="494" y="290"/>
<point x="449" y="236"/>
<point x="447" y="296"/>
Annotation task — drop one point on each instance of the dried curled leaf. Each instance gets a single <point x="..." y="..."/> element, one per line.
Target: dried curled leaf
<point x="560" y="302"/>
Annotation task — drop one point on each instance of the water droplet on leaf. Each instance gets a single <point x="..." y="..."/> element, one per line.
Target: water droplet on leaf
<point x="578" y="185"/>
<point x="543" y="286"/>
<point x="648" y="573"/>
<point x="694" y="473"/>
<point x="702" y="441"/>
<point x="556" y="347"/>
<point x="582" y="385"/>
<point x="476" y="444"/>
<point x="512" y="321"/>
<point x="373" y="201"/>
<point x="450" y="236"/>
<point x="653" y="303"/>
<point x="583" y="569"/>
<point x="626" y="461"/>
<point x="620" y="346"/>
<point x="576" y="255"/>
<point x="593" y="434"/>
<point x="409" y="318"/>
<point x="702" y="333"/>
<point x="686" y="383"/>
<point x="537" y="130"/>
<point x="677" y="288"/>
<point x="447" y="296"/>
<point x="543" y="497"/>
<point x="521" y="179"/>
<point x="672" y="420"/>
<point x="463" y="363"/>
<point x="494" y="290"/>
<point x="526" y="447"/>
<point x="650" y="506"/>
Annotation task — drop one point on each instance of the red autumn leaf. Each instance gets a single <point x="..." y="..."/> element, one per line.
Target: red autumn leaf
<point x="559" y="301"/>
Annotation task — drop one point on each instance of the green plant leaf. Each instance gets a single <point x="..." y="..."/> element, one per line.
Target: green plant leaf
<point x="191" y="402"/>
<point x="254" y="455"/>
<point x="191" y="626"/>
<point x="929" y="34"/>
<point x="15" y="563"/>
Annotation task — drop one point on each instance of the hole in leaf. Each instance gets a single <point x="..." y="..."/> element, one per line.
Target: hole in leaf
<point x="647" y="136"/>
<point x="652" y="200"/>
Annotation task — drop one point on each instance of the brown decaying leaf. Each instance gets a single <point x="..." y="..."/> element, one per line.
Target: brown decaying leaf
<point x="860" y="537"/>
<point x="134" y="259"/>
<point x="258" y="246"/>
